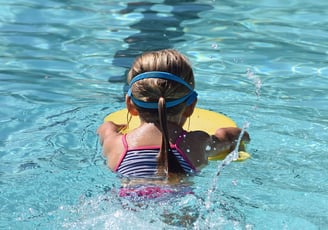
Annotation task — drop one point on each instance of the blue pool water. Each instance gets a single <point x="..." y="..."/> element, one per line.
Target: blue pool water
<point x="62" y="66"/>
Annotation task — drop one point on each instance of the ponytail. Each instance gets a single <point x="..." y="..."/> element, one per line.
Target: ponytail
<point x="166" y="161"/>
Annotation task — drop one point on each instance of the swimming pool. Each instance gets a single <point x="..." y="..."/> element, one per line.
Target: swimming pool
<point x="61" y="72"/>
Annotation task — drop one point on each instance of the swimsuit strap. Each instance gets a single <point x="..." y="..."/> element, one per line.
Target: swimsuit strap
<point x="180" y="137"/>
<point x="189" y="98"/>
<point x="182" y="153"/>
<point x="125" y="143"/>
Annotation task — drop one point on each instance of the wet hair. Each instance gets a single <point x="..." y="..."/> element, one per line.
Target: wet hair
<point x="161" y="91"/>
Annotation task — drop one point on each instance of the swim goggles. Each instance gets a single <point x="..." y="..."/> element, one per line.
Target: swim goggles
<point x="188" y="98"/>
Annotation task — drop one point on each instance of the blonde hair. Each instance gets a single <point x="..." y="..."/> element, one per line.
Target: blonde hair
<point x="160" y="91"/>
<point x="151" y="89"/>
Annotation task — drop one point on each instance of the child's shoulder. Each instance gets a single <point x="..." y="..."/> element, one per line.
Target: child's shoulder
<point x="197" y="137"/>
<point x="197" y="133"/>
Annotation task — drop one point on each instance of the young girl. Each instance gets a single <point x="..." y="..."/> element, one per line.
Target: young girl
<point x="161" y="92"/>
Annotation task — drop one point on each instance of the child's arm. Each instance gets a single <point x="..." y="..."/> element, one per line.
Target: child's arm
<point x="224" y="140"/>
<point x="204" y="145"/>
<point x="110" y="139"/>
<point x="108" y="130"/>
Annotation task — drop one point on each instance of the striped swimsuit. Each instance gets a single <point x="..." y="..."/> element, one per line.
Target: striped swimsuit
<point x="142" y="161"/>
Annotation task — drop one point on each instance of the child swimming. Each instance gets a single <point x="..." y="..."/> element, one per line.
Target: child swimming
<point x="161" y="92"/>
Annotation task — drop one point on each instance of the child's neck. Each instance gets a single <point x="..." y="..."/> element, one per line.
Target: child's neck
<point x="150" y="134"/>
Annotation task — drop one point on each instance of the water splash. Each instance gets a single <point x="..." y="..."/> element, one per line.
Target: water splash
<point x="208" y="210"/>
<point x="256" y="80"/>
<point x="233" y="155"/>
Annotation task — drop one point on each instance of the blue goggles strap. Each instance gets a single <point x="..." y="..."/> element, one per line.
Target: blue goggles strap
<point x="189" y="98"/>
<point x="161" y="75"/>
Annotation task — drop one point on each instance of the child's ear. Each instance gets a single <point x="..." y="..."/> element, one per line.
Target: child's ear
<point x="190" y="109"/>
<point x="130" y="106"/>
